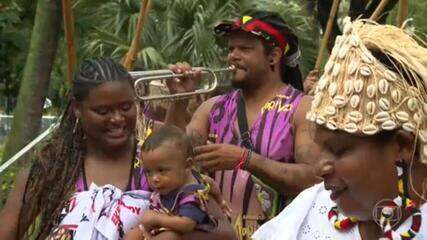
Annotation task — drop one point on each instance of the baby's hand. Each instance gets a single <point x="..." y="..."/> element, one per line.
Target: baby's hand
<point x="225" y="207"/>
<point x="216" y="194"/>
<point x="150" y="220"/>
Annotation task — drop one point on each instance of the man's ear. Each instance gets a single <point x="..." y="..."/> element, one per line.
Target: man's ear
<point x="275" y="56"/>
<point x="405" y="142"/>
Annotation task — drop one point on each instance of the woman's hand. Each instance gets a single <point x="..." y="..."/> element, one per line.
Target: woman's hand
<point x="222" y="232"/>
<point x="146" y="234"/>
<point x="138" y="233"/>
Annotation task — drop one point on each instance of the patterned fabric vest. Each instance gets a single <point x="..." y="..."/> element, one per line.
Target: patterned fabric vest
<point x="252" y="201"/>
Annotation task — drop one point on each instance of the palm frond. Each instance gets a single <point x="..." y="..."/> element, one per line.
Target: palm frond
<point x="181" y="30"/>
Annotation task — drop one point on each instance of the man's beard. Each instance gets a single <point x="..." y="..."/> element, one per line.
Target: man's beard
<point x="240" y="85"/>
<point x="244" y="85"/>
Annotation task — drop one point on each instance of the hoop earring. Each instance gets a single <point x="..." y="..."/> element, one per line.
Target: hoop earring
<point x="76" y="125"/>
<point x="272" y="67"/>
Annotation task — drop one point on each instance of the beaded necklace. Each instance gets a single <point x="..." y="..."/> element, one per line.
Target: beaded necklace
<point x="346" y="223"/>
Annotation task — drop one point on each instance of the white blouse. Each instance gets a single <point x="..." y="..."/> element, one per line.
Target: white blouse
<point x="306" y="218"/>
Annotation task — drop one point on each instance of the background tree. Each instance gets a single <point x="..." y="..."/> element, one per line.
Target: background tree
<point x="15" y="31"/>
<point x="36" y="75"/>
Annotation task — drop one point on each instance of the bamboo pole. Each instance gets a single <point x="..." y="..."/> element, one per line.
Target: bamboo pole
<point x="403" y="12"/>
<point x="379" y="10"/>
<point x="67" y="13"/>
<point x="129" y="58"/>
<point x="327" y="33"/>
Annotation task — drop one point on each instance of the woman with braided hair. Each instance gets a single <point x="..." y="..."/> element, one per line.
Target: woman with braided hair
<point x="370" y="115"/>
<point x="85" y="183"/>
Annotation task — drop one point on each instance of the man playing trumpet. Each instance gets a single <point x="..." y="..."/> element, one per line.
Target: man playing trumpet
<point x="261" y="152"/>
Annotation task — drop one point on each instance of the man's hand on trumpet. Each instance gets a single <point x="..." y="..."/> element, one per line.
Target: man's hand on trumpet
<point x="177" y="112"/>
<point x="188" y="83"/>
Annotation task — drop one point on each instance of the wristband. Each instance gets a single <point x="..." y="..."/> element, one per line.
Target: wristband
<point x="247" y="159"/>
<point x="241" y="160"/>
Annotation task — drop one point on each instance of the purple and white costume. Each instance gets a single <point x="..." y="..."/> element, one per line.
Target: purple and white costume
<point x="272" y="136"/>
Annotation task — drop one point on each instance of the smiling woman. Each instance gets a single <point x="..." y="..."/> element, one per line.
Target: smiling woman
<point x="84" y="182"/>
<point x="346" y="166"/>
<point x="108" y="114"/>
<point x="370" y="111"/>
<point x="94" y="144"/>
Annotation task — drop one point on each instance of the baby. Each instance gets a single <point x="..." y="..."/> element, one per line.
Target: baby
<point x="180" y="193"/>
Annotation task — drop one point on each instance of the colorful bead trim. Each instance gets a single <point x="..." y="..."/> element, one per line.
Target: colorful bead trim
<point x="340" y="224"/>
<point x="346" y="224"/>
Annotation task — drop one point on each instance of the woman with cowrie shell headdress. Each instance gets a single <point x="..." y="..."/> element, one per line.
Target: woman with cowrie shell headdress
<point x="370" y="119"/>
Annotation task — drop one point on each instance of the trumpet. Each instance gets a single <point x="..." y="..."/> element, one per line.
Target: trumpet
<point x="145" y="79"/>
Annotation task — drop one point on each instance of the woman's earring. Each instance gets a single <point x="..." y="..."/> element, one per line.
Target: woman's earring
<point x="424" y="188"/>
<point x="76" y="125"/>
<point x="272" y="67"/>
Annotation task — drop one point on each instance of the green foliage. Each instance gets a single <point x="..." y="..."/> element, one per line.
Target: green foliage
<point x="418" y="12"/>
<point x="175" y="31"/>
<point x="417" y="21"/>
<point x="179" y="30"/>
<point x="14" y="34"/>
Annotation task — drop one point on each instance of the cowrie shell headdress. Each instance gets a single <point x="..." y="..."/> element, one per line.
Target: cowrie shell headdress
<point x="360" y="95"/>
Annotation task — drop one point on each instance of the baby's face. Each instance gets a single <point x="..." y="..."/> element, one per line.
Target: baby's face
<point x="165" y="168"/>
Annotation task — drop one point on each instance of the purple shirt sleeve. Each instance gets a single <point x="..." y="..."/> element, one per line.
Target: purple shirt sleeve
<point x="193" y="212"/>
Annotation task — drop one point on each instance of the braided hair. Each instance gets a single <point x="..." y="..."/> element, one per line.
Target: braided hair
<point x="58" y="163"/>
